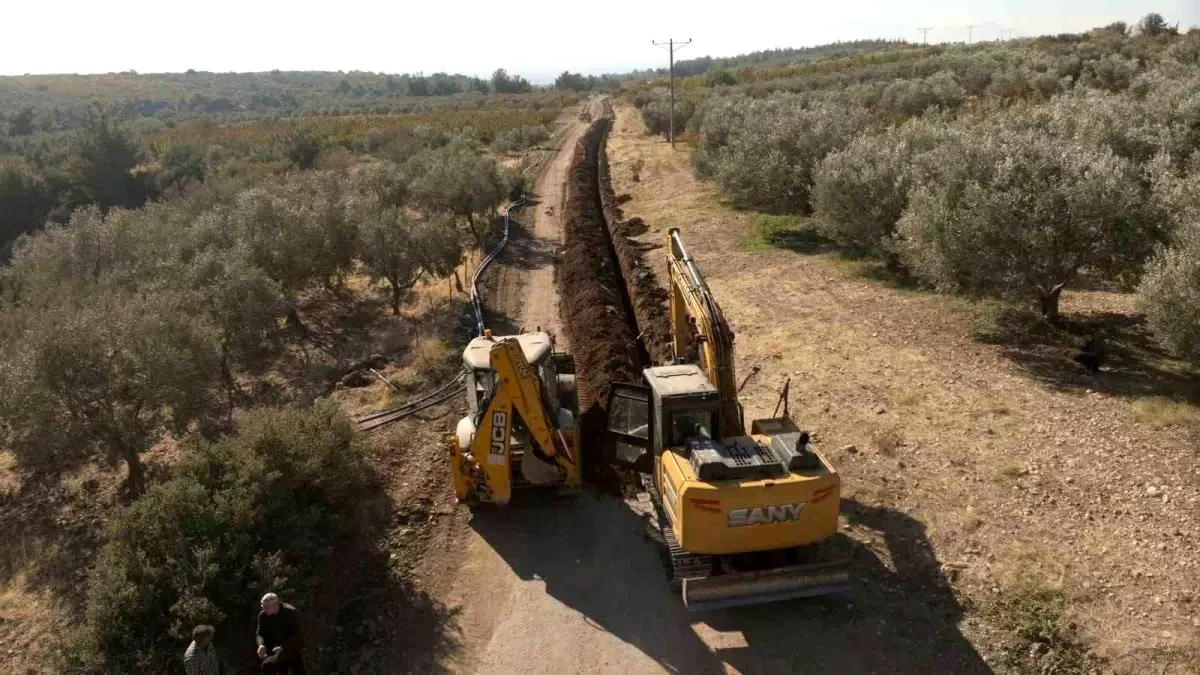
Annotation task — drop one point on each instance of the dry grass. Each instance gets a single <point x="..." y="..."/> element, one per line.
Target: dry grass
<point x="31" y="622"/>
<point x="969" y="419"/>
<point x="1161" y="412"/>
<point x="10" y="481"/>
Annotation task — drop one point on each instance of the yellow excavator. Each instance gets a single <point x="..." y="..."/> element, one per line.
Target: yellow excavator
<point x="736" y="512"/>
<point x="520" y="427"/>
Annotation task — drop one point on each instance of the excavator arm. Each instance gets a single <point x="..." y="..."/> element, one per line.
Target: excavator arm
<point x="484" y="468"/>
<point x="692" y="302"/>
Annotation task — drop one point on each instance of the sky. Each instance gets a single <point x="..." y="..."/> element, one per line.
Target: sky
<point x="537" y="39"/>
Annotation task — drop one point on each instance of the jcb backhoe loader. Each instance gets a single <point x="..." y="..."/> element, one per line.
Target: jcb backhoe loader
<point x="736" y="511"/>
<point x="520" y="426"/>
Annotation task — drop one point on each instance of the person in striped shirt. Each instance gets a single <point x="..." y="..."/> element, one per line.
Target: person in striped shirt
<point x="201" y="656"/>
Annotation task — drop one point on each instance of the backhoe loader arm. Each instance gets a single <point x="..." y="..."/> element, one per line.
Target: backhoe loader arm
<point x="520" y="383"/>
<point x="518" y="390"/>
<point x="691" y="299"/>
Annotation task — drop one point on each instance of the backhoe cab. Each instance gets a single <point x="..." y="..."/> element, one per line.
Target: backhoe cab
<point x="520" y="426"/>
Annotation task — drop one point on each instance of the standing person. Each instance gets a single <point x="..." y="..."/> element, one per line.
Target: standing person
<point x="201" y="656"/>
<point x="279" y="643"/>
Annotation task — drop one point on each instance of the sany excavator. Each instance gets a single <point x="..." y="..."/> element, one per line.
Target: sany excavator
<point x="736" y="511"/>
<point x="520" y="426"/>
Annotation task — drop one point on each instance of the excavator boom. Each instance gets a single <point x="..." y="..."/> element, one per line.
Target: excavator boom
<point x="693" y="305"/>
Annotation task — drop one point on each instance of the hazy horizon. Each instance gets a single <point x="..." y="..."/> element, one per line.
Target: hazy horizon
<point x="371" y="36"/>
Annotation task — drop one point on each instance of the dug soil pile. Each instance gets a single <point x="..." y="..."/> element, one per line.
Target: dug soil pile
<point x="648" y="300"/>
<point x="597" y="313"/>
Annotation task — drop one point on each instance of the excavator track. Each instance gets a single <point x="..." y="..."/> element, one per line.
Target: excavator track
<point x="679" y="563"/>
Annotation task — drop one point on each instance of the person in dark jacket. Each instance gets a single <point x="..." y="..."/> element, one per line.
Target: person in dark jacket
<point x="279" y="643"/>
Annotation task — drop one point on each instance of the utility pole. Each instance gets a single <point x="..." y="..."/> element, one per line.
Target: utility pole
<point x="925" y="35"/>
<point x="671" y="45"/>
<point x="970" y="28"/>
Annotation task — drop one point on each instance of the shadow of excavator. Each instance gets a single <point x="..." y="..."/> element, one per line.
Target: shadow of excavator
<point x="594" y="557"/>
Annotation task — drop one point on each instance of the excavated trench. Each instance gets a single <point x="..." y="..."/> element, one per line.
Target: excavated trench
<point x="613" y="311"/>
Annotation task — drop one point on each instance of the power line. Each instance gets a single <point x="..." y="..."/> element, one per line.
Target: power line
<point x="671" y="45"/>
<point x="925" y="35"/>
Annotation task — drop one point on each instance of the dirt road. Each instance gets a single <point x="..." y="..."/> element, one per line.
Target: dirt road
<point x="520" y="291"/>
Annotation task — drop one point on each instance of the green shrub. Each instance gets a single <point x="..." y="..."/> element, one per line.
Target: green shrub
<point x="1169" y="293"/>
<point x="262" y="510"/>
<point x="514" y="140"/>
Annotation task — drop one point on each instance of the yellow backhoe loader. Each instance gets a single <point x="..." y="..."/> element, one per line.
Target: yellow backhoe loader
<point x="520" y="427"/>
<point x="736" y="511"/>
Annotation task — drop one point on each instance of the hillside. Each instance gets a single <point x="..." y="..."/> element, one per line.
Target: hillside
<point x="58" y="102"/>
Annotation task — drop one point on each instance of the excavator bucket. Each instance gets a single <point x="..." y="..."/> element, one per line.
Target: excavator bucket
<point x="771" y="585"/>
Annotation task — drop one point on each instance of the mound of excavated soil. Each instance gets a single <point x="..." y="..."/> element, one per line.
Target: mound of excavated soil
<point x="595" y="312"/>
<point x="647" y="298"/>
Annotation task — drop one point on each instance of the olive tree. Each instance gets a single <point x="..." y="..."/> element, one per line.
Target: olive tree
<point x="296" y="229"/>
<point x="459" y="180"/>
<point x="765" y="151"/>
<point x="860" y="192"/>
<point x="1103" y="119"/>
<point x="268" y="508"/>
<point x="106" y="376"/>
<point x="397" y="242"/>
<point x="244" y="307"/>
<point x="403" y="247"/>
<point x="124" y="250"/>
<point x="1169" y="293"/>
<point x="714" y="123"/>
<point x="1019" y="214"/>
<point x="912" y="97"/>
<point x="656" y="111"/>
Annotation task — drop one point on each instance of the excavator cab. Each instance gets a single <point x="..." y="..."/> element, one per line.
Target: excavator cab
<point x="679" y="405"/>
<point x="736" y="511"/>
<point x="520" y="425"/>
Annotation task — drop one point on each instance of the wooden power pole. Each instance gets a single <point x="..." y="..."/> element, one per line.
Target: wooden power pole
<point x="671" y="46"/>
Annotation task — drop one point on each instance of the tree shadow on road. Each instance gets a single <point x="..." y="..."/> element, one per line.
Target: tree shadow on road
<point x="594" y="557"/>
<point x="525" y="251"/>
<point x="369" y="617"/>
